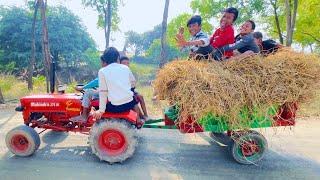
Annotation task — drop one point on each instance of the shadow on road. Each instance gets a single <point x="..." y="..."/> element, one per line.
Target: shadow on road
<point x="54" y="137"/>
<point x="160" y="158"/>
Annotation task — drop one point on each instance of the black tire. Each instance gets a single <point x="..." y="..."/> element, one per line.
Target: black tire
<point x="23" y="141"/>
<point x="220" y="138"/>
<point x="251" y="141"/>
<point x="117" y="133"/>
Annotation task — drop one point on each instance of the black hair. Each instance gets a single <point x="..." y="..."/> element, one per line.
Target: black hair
<point x="195" y="19"/>
<point x="123" y="58"/>
<point x="253" y="25"/>
<point x="110" y="55"/>
<point x="233" y="11"/>
<point x="257" y="35"/>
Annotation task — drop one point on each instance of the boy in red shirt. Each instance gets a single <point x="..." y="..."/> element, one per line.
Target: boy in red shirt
<point x="225" y="34"/>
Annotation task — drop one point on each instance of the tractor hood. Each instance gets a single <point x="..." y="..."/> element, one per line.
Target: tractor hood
<point x="52" y="103"/>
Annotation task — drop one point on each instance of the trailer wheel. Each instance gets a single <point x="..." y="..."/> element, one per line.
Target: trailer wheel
<point x="248" y="148"/>
<point x="113" y="140"/>
<point x="22" y="140"/>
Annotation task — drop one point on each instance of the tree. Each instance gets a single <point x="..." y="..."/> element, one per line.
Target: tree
<point x="33" y="46"/>
<point x="45" y="40"/>
<point x="274" y="4"/>
<point x="69" y="40"/>
<point x="15" y="28"/>
<point x="108" y="15"/>
<point x="164" y="53"/>
<point x="307" y="24"/>
<point x="140" y="43"/>
<point x="295" y="21"/>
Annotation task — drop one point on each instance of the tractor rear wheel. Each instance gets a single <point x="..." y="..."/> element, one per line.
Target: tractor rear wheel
<point x="248" y="148"/>
<point x="113" y="140"/>
<point x="22" y="140"/>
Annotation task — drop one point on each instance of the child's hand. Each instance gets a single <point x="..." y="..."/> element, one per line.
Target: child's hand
<point x="181" y="42"/>
<point x="97" y="114"/>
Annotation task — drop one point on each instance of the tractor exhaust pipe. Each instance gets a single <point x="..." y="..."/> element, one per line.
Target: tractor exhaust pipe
<point x="52" y="75"/>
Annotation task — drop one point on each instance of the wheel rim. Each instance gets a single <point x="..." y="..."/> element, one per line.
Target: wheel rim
<point x="19" y="143"/>
<point x="112" y="142"/>
<point x="250" y="149"/>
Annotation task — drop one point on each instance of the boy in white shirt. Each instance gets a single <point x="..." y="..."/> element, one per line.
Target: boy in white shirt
<point x="115" y="83"/>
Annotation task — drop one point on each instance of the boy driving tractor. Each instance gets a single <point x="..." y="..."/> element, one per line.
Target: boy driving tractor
<point x="94" y="92"/>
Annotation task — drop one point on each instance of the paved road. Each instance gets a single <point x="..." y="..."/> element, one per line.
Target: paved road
<point x="164" y="154"/>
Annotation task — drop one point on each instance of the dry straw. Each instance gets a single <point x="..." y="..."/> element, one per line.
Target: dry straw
<point x="224" y="88"/>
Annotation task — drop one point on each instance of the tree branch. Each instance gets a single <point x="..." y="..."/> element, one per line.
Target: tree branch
<point x="312" y="36"/>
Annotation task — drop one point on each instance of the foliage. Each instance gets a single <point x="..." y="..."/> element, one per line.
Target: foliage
<point x="15" y="26"/>
<point x="100" y="6"/>
<point x="67" y="36"/>
<point x="69" y="40"/>
<point x="211" y="8"/>
<point x="141" y="42"/>
<point x="307" y="27"/>
<point x="153" y="53"/>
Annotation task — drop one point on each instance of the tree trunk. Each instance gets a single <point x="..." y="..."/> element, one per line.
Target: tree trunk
<point x="288" y="16"/>
<point x="107" y="22"/>
<point x="33" y="47"/>
<point x="311" y="49"/>
<point x="1" y="97"/>
<point x="45" y="41"/>
<point x="291" y="19"/>
<point x="164" y="53"/>
<point x="276" y="16"/>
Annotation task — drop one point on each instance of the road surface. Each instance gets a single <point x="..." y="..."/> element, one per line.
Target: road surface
<point x="164" y="154"/>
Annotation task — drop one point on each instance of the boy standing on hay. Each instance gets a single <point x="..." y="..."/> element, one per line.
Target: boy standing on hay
<point x="224" y="35"/>
<point x="199" y="43"/>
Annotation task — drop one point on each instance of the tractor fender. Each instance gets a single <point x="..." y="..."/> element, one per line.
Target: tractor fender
<point x="130" y="116"/>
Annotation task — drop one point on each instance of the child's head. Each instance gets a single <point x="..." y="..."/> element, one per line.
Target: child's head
<point x="230" y="15"/>
<point x="110" y="55"/>
<point x="194" y="24"/>
<point x="258" y="37"/>
<point x="247" y="27"/>
<point x="124" y="60"/>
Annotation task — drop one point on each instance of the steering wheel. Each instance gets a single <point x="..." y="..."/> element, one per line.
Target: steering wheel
<point x="79" y="87"/>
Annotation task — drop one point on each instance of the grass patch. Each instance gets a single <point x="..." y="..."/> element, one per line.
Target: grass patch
<point x="13" y="88"/>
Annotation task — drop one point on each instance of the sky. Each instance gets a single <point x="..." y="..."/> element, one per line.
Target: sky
<point x="136" y="15"/>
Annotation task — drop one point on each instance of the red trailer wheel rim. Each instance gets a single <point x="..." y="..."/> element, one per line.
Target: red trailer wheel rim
<point x="19" y="143"/>
<point x="249" y="148"/>
<point x="112" y="142"/>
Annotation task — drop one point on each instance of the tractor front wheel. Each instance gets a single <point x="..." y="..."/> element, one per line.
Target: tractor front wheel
<point x="22" y="140"/>
<point x="248" y="148"/>
<point x="113" y="140"/>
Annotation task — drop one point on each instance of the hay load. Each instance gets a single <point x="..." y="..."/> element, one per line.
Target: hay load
<point x="227" y="89"/>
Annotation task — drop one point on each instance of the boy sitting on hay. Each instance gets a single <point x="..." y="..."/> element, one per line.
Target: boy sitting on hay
<point x="199" y="43"/>
<point x="224" y="35"/>
<point x="244" y="42"/>
<point x="201" y="47"/>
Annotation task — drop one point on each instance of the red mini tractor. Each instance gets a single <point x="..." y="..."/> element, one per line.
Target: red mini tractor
<point x="112" y="139"/>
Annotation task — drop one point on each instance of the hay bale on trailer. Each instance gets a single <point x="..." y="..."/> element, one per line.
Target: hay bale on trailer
<point x="238" y="89"/>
